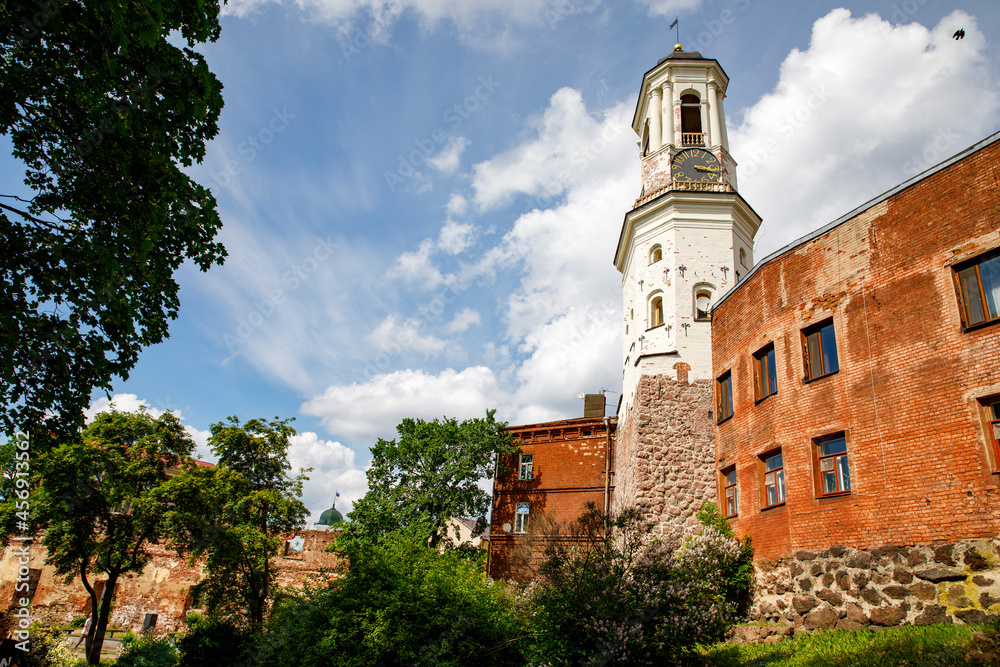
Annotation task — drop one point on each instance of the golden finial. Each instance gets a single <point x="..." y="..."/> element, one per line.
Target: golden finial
<point x="678" y="47"/>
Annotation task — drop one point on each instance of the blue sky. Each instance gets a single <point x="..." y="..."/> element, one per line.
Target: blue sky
<point x="422" y="198"/>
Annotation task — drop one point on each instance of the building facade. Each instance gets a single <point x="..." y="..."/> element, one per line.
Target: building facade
<point x="859" y="370"/>
<point x="563" y="466"/>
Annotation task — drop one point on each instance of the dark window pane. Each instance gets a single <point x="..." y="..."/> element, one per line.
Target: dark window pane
<point x="845" y="473"/>
<point x="974" y="312"/>
<point x="830" y="364"/>
<point x="835" y="446"/>
<point x="772" y="462"/>
<point x="989" y="272"/>
<point x="772" y="373"/>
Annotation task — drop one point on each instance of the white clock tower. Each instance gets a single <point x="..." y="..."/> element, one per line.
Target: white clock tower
<point x="687" y="240"/>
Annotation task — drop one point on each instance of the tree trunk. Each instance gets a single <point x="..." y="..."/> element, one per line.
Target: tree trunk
<point x="100" y="623"/>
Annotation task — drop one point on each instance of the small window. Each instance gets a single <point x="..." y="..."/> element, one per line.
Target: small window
<point x="729" y="486"/>
<point x="765" y="374"/>
<point x="833" y="470"/>
<point x="774" y="480"/>
<point x="980" y="286"/>
<point x="521" y="518"/>
<point x="990" y="408"/>
<point x="819" y="348"/>
<point x="656" y="254"/>
<point x="743" y="257"/>
<point x="702" y="304"/>
<point x="724" y="392"/>
<point x="655" y="312"/>
<point x="525" y="467"/>
<point x="691" y="130"/>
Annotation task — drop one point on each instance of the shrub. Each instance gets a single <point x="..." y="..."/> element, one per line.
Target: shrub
<point x="398" y="603"/>
<point x="610" y="595"/>
<point x="214" y="643"/>
<point x="46" y="648"/>
<point x="147" y="651"/>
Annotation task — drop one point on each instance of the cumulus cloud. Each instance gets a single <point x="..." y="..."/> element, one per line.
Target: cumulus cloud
<point x="455" y="237"/>
<point x="462" y="321"/>
<point x="396" y="337"/>
<point x="449" y="158"/>
<point x="866" y="106"/>
<point x="565" y="147"/>
<point x="417" y="268"/>
<point x="333" y="471"/>
<point x="670" y="7"/>
<point x="372" y="409"/>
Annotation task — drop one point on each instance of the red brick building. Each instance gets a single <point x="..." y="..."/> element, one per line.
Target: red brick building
<point x="562" y="466"/>
<point x="857" y="381"/>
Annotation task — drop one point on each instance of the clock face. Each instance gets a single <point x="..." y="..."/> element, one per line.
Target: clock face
<point x="695" y="165"/>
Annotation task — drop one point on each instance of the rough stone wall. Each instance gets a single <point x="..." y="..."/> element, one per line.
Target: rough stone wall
<point x="886" y="586"/>
<point x="164" y="587"/>
<point x="664" y="453"/>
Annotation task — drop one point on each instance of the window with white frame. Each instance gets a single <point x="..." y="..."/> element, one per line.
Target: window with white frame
<point x="521" y="518"/>
<point x="525" y="466"/>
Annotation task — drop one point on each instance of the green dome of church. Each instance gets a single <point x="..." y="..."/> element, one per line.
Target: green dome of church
<point x="330" y="517"/>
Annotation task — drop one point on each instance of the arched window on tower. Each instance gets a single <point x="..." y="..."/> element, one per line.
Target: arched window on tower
<point x="691" y="132"/>
<point x="655" y="311"/>
<point x="655" y="254"/>
<point x="702" y="303"/>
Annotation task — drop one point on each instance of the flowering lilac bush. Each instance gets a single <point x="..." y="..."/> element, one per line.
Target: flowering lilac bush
<point x="612" y="597"/>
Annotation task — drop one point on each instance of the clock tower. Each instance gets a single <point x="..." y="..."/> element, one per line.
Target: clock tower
<point x="687" y="240"/>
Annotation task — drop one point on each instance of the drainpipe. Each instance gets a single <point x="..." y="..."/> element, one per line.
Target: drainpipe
<point x="607" y="467"/>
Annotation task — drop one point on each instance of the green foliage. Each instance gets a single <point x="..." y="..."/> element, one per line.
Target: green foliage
<point x="397" y="603"/>
<point x="612" y="596"/>
<point x="210" y="643"/>
<point x="102" y="498"/>
<point x="252" y="502"/>
<point x="930" y="645"/>
<point x="46" y="648"/>
<point x="105" y="103"/>
<point x="430" y="474"/>
<point x="738" y="574"/>
<point x="147" y="651"/>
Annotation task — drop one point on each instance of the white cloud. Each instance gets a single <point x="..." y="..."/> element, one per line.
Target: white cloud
<point x="480" y="23"/>
<point x="457" y="205"/>
<point x="455" y="237"/>
<point x="373" y="409"/>
<point x="449" y="158"/>
<point x="394" y="338"/>
<point x="333" y="471"/>
<point x="565" y="147"/>
<point x="417" y="268"/>
<point x="462" y="321"/>
<point x="670" y="7"/>
<point x="866" y="106"/>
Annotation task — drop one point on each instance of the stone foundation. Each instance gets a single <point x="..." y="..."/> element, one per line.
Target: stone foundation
<point x="887" y="586"/>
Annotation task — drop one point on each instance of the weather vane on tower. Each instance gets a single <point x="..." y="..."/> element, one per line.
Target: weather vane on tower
<point x="674" y="25"/>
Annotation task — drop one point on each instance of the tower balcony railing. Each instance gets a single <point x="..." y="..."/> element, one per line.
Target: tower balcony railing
<point x="692" y="138"/>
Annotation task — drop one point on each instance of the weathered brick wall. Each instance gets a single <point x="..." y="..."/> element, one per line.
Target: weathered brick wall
<point x="163" y="588"/>
<point x="570" y="459"/>
<point x="906" y="393"/>
<point x="886" y="586"/>
<point x="664" y="452"/>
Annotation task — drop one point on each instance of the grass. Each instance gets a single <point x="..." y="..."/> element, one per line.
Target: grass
<point x="928" y="646"/>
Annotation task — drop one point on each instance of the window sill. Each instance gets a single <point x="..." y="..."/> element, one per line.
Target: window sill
<point x="758" y="401"/>
<point x="819" y="377"/>
<point x="980" y="325"/>
<point x="723" y="421"/>
<point x="840" y="494"/>
<point x="771" y="507"/>
<point x="656" y="326"/>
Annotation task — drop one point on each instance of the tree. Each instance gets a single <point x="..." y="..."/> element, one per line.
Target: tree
<point x="104" y="109"/>
<point x="253" y="502"/>
<point x="102" y="498"/>
<point x="430" y="474"/>
<point x="396" y="603"/>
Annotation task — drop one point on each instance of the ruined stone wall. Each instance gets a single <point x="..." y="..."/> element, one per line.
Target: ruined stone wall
<point x="886" y="586"/>
<point x="664" y="453"/>
<point x="164" y="587"/>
